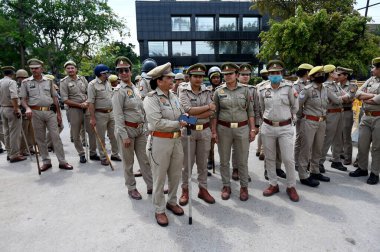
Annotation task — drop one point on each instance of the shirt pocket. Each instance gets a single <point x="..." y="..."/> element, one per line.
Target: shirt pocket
<point x="47" y="90"/>
<point x="33" y="92"/>
<point x="242" y="101"/>
<point x="73" y="88"/>
<point x="285" y="99"/>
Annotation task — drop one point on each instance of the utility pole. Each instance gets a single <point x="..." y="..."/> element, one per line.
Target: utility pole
<point x="366" y="8"/>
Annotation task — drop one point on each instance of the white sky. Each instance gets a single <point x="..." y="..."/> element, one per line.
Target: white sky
<point x="126" y="10"/>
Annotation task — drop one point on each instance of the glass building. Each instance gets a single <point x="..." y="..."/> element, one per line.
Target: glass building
<point x="208" y="32"/>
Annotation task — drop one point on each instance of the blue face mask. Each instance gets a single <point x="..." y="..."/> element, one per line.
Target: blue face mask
<point x="275" y="79"/>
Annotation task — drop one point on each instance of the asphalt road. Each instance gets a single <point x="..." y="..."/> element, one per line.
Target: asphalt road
<point x="88" y="209"/>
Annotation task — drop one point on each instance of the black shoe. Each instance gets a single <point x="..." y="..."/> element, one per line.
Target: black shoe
<point x="115" y="158"/>
<point x="8" y="158"/>
<point x="82" y="159"/>
<point x="95" y="157"/>
<point x="322" y="168"/>
<point x="258" y="154"/>
<point x="310" y="182"/>
<point x="50" y="149"/>
<point x="209" y="174"/>
<point x="72" y="139"/>
<point x="319" y="177"/>
<point x="358" y="173"/>
<point x="373" y="179"/>
<point x="339" y="166"/>
<point x="1" y="150"/>
<point x="280" y="173"/>
<point x="296" y="167"/>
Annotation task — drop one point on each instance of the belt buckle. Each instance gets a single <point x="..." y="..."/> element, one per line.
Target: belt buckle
<point x="175" y="134"/>
<point x="369" y="113"/>
<point x="234" y="125"/>
<point x="139" y="125"/>
<point x="276" y="124"/>
<point x="321" y="119"/>
<point x="44" y="109"/>
<point x="199" y="127"/>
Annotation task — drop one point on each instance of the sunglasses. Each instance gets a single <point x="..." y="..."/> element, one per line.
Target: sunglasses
<point x="123" y="70"/>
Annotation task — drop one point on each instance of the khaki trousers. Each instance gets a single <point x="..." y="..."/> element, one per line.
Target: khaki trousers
<point x="348" y="121"/>
<point x="311" y="147"/>
<point x="284" y="136"/>
<point x="333" y="137"/>
<point x="76" y="121"/>
<point x="199" y="148"/>
<point x="238" y="139"/>
<point x="28" y="131"/>
<point x="1" y="128"/>
<point x="138" y="146"/>
<point x="12" y="130"/>
<point x="297" y="143"/>
<point x="42" y="120"/>
<point x="105" y="122"/>
<point x="369" y="132"/>
<point x="166" y="158"/>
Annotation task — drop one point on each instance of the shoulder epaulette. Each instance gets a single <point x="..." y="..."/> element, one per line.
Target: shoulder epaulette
<point x="151" y="93"/>
<point x="64" y="78"/>
<point x="308" y="86"/>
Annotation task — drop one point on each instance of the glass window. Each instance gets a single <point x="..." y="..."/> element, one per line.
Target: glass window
<point x="204" y="23"/>
<point x="158" y="48"/>
<point x="181" y="48"/>
<point x="204" y="47"/>
<point x="227" y="24"/>
<point x="228" y="47"/>
<point x="249" y="47"/>
<point x="250" y="24"/>
<point x="180" y="23"/>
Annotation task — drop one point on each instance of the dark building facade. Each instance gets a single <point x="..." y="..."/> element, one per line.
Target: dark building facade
<point x="188" y="32"/>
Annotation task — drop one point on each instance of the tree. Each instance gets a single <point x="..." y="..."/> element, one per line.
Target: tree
<point x="107" y="55"/>
<point x="321" y="38"/>
<point x="285" y="9"/>
<point x="63" y="29"/>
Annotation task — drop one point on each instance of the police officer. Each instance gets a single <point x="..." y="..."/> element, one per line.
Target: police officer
<point x="245" y="71"/>
<point x="344" y="79"/>
<point x="11" y="114"/>
<point x="298" y="85"/>
<point x="369" y="128"/>
<point x="215" y="77"/>
<point x="233" y="126"/>
<point x="100" y="106"/>
<point x="38" y="96"/>
<point x="164" y="147"/>
<point x="21" y="75"/>
<point x="129" y="124"/>
<point x="260" y="149"/>
<point x="334" y="120"/>
<point x="178" y="78"/>
<point x="278" y="103"/>
<point x="313" y="102"/>
<point x="144" y="86"/>
<point x="196" y="101"/>
<point x="73" y="89"/>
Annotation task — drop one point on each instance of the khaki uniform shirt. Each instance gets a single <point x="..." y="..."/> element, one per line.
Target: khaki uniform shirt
<point x="371" y="86"/>
<point x="8" y="91"/>
<point x="190" y="99"/>
<point x="39" y="92"/>
<point x="314" y="102"/>
<point x="127" y="106"/>
<point x="350" y="88"/>
<point x="74" y="90"/>
<point x="337" y="90"/>
<point x="278" y="104"/>
<point x="162" y="111"/>
<point x="100" y="94"/>
<point x="233" y="105"/>
<point x="255" y="103"/>
<point x="144" y="87"/>
<point x="300" y="84"/>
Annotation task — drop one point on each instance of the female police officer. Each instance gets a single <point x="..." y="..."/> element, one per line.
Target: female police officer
<point x="164" y="147"/>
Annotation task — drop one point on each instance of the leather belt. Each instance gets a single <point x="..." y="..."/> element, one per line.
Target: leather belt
<point x="40" y="108"/>
<point x="166" y="134"/>
<point x="372" y="113"/>
<point x="232" y="125"/>
<point x="337" y="110"/>
<point x="103" y="110"/>
<point x="278" y="124"/>
<point x="133" y="124"/>
<point x="315" y="118"/>
<point x="200" y="126"/>
<point x="347" y="109"/>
